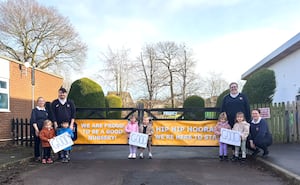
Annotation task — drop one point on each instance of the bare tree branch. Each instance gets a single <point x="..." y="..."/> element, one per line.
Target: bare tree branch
<point x="31" y="32"/>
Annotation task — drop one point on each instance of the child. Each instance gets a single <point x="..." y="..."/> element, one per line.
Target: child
<point x="222" y="123"/>
<point x="65" y="154"/>
<point x="45" y="135"/>
<point x="146" y="128"/>
<point x="243" y="127"/>
<point x="132" y="126"/>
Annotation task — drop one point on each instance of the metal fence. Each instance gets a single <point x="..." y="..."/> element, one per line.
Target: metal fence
<point x="21" y="132"/>
<point x="283" y="122"/>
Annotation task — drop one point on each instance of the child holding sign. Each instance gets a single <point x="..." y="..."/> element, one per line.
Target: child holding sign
<point x="132" y="126"/>
<point x="147" y="128"/>
<point x="222" y="123"/>
<point x="243" y="127"/>
<point x="45" y="135"/>
<point x="65" y="154"/>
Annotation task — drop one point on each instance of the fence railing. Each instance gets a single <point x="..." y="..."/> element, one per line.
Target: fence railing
<point x="21" y="132"/>
<point x="283" y="122"/>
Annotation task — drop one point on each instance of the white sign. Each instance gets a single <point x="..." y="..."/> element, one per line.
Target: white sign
<point x="265" y="112"/>
<point x="230" y="137"/>
<point x="61" y="142"/>
<point x="169" y="113"/>
<point x="138" y="139"/>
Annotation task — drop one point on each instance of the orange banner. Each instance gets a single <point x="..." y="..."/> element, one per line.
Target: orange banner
<point x="171" y="132"/>
<point x="184" y="133"/>
<point x="90" y="131"/>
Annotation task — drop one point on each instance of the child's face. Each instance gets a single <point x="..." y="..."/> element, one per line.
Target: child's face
<point x="222" y="119"/>
<point x="240" y="118"/>
<point x="48" y="125"/>
<point x="133" y="119"/>
<point x="146" y="121"/>
<point x="65" y="125"/>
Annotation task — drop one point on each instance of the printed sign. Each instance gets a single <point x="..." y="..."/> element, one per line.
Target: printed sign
<point x="91" y="131"/>
<point x="61" y="142"/>
<point x="166" y="132"/>
<point x="230" y="137"/>
<point x="184" y="133"/>
<point x="138" y="139"/>
<point x="265" y="112"/>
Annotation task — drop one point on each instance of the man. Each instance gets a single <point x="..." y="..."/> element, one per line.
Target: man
<point x="63" y="109"/>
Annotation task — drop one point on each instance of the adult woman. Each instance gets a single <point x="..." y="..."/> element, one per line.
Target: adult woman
<point x="260" y="136"/>
<point x="235" y="102"/>
<point x="38" y="115"/>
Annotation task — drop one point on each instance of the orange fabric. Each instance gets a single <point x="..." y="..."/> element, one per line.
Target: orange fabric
<point x="46" y="134"/>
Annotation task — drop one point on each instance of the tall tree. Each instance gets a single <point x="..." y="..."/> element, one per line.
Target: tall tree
<point x="33" y="33"/>
<point x="151" y="73"/>
<point x="167" y="53"/>
<point x="186" y="74"/>
<point x="117" y="68"/>
<point x="260" y="86"/>
<point x="215" y="84"/>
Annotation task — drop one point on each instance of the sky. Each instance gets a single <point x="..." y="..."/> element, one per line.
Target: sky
<point x="227" y="36"/>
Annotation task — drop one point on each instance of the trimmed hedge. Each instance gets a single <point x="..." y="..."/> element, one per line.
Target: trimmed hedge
<point x="194" y="102"/>
<point x="87" y="94"/>
<point x="113" y="101"/>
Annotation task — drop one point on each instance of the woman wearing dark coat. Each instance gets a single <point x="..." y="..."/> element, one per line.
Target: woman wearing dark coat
<point x="235" y="102"/>
<point x="260" y="136"/>
<point x="38" y="115"/>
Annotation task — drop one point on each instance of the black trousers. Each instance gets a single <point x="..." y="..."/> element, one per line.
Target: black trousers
<point x="37" y="146"/>
<point x="47" y="152"/>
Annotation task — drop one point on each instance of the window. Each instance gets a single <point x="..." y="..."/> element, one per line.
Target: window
<point x="4" y="95"/>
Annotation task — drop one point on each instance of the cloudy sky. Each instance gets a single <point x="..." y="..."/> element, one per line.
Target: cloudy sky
<point x="227" y="36"/>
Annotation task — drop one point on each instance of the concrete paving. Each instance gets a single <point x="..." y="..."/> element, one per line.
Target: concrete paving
<point x="283" y="159"/>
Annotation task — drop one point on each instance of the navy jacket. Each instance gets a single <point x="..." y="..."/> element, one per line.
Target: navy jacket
<point x="61" y="113"/>
<point x="38" y="117"/>
<point x="260" y="133"/>
<point x="232" y="106"/>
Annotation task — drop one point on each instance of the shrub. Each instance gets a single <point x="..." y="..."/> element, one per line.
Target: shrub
<point x="221" y="97"/>
<point x="87" y="94"/>
<point x="260" y="86"/>
<point x="194" y="102"/>
<point x="113" y="101"/>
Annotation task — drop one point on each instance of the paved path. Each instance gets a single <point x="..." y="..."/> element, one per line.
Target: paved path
<point x="181" y="163"/>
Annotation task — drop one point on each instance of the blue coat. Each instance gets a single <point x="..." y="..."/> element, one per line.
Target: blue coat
<point x="68" y="130"/>
<point x="260" y="133"/>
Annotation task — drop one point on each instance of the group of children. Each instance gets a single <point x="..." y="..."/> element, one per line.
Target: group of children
<point x="146" y="128"/>
<point x="242" y="127"/>
<point x="48" y="133"/>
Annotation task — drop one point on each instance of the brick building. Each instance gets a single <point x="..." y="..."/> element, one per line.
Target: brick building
<point x="17" y="92"/>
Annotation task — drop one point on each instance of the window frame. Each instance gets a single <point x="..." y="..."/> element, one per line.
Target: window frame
<point x="5" y="91"/>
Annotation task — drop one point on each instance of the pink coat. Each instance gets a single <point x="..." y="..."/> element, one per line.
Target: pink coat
<point x="131" y="127"/>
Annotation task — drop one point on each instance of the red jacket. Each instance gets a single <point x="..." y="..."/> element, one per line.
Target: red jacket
<point x="46" y="134"/>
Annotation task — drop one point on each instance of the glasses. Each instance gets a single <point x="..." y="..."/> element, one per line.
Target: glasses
<point x="232" y="87"/>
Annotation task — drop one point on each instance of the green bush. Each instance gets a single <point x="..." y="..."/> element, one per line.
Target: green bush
<point x="194" y="102"/>
<point x="221" y="97"/>
<point x="87" y="94"/>
<point x="260" y="86"/>
<point x="113" y="101"/>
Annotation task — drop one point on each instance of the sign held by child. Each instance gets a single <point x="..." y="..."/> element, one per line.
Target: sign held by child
<point x="230" y="137"/>
<point x="138" y="139"/>
<point x="61" y="142"/>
